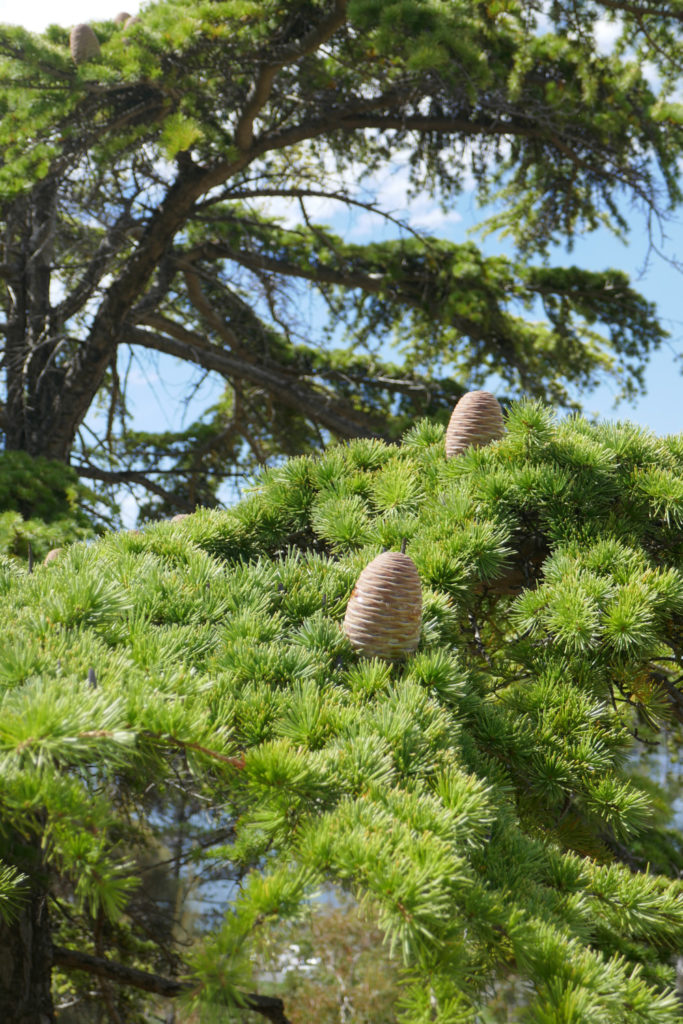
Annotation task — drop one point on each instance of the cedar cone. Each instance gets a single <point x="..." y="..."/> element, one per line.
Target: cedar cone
<point x="476" y="420"/>
<point x="121" y="18"/>
<point x="83" y="44"/>
<point x="384" y="613"/>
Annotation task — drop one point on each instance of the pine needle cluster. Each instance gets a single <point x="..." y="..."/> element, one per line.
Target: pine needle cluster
<point x="475" y="799"/>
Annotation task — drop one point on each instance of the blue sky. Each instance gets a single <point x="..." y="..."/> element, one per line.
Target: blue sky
<point x="159" y="388"/>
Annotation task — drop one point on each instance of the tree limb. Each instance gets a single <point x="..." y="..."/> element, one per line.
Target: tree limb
<point x="130" y="476"/>
<point x="269" y="1007"/>
<point x="257" y="261"/>
<point x="260" y="91"/>
<point x="110" y="245"/>
<point x="287" y="387"/>
<point x="204" y="307"/>
<point x="638" y="10"/>
<point x="674" y="695"/>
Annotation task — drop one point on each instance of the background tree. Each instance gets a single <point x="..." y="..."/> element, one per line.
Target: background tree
<point x="139" y="190"/>
<point x="42" y="506"/>
<point x="184" y="697"/>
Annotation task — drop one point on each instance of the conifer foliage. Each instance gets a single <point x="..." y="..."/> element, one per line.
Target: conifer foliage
<point x="162" y="191"/>
<point x="187" y="696"/>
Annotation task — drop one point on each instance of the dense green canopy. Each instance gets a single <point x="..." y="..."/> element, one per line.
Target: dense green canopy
<point x="160" y="197"/>
<point x="186" y="696"/>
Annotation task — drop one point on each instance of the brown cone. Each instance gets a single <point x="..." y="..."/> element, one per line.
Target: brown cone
<point x="83" y="44"/>
<point x="384" y="613"/>
<point x="121" y="18"/>
<point x="52" y="555"/>
<point x="476" y="420"/>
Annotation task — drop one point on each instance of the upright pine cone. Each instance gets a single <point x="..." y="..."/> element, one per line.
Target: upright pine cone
<point x="83" y="44"/>
<point x="121" y="18"/>
<point x="476" y="420"/>
<point x="384" y="613"/>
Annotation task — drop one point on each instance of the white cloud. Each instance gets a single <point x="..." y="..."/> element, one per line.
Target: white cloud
<point x="431" y="216"/>
<point x="651" y="74"/>
<point x="38" y="14"/>
<point x="392" y="194"/>
<point x="606" y="34"/>
<point x="129" y="508"/>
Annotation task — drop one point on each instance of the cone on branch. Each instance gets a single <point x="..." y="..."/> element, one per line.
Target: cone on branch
<point x="384" y="614"/>
<point x="52" y="556"/>
<point x="121" y="18"/>
<point x="83" y="44"/>
<point x="477" y="419"/>
<point x="130" y="21"/>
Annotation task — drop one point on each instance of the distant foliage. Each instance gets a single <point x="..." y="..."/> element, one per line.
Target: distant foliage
<point x="41" y="503"/>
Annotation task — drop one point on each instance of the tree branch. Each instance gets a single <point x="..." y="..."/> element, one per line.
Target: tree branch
<point x="130" y="476"/>
<point x="638" y="10"/>
<point x="260" y="91"/>
<point x="236" y="195"/>
<point x="269" y="1007"/>
<point x="287" y="387"/>
<point x="674" y="695"/>
<point x="257" y="261"/>
<point x="204" y="307"/>
<point x="96" y="269"/>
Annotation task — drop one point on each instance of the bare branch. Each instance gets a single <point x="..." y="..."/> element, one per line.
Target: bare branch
<point x="240" y="193"/>
<point x="131" y="476"/>
<point x="204" y="307"/>
<point x="110" y="245"/>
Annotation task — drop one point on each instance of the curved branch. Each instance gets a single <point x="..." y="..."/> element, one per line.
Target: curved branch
<point x="204" y="307"/>
<point x="257" y="261"/>
<point x="269" y="1007"/>
<point x="260" y="91"/>
<point x="131" y="476"/>
<point x="287" y="387"/>
<point x="236" y="195"/>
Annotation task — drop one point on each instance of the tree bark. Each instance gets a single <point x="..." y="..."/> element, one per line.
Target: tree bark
<point x="26" y="948"/>
<point x="34" y="383"/>
<point x="270" y="1007"/>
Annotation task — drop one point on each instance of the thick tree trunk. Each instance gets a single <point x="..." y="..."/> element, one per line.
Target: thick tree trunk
<point x="35" y="405"/>
<point x="25" y="966"/>
<point x="40" y="429"/>
<point x="50" y="383"/>
<point x="26" y="944"/>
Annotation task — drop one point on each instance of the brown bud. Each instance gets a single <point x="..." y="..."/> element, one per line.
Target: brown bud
<point x="477" y="419"/>
<point x="181" y="515"/>
<point x="121" y="18"/>
<point x="52" y="555"/>
<point x="83" y="44"/>
<point x="384" y="613"/>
